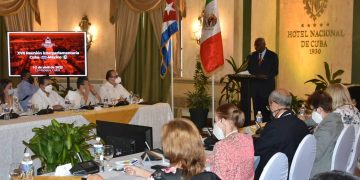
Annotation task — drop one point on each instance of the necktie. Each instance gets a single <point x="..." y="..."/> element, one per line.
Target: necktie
<point x="260" y="58"/>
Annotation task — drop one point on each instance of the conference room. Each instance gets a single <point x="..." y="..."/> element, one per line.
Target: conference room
<point x="179" y="89"/>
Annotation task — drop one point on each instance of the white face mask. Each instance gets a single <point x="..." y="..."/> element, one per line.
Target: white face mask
<point x="48" y="88"/>
<point x="218" y="133"/>
<point x="316" y="117"/>
<point x="118" y="80"/>
<point x="82" y="90"/>
<point x="10" y="92"/>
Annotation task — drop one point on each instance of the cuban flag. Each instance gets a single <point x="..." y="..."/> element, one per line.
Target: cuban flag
<point x="170" y="27"/>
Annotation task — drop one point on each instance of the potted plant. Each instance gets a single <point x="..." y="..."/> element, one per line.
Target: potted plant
<point x="59" y="143"/>
<point x="296" y="103"/>
<point x="198" y="100"/>
<point x="231" y="91"/>
<point x="330" y="78"/>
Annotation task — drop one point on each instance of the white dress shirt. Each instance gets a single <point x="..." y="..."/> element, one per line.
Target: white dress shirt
<point x="77" y="99"/>
<point x="42" y="101"/>
<point x="109" y="91"/>
<point x="262" y="54"/>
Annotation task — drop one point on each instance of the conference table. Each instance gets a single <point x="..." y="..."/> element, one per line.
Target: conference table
<point x="14" y="131"/>
<point x="121" y="175"/>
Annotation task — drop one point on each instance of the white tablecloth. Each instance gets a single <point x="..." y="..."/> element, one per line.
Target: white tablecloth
<point x="116" y="175"/>
<point x="13" y="132"/>
<point x="12" y="135"/>
<point x="153" y="116"/>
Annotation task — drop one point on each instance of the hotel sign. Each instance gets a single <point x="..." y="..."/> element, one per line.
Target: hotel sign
<point x="315" y="8"/>
<point x="315" y="36"/>
<point x="310" y="33"/>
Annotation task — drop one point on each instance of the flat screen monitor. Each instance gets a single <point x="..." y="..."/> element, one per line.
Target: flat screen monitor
<point x="52" y="53"/>
<point x="126" y="138"/>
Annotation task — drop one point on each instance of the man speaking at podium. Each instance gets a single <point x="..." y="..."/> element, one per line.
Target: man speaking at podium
<point x="264" y="64"/>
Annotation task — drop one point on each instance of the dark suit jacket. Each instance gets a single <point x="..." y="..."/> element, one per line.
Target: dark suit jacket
<point x="269" y="67"/>
<point x="279" y="135"/>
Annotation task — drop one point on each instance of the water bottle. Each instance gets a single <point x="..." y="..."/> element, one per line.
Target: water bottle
<point x="7" y="111"/>
<point x="98" y="150"/>
<point x="106" y="100"/>
<point x="131" y="97"/>
<point x="26" y="167"/>
<point x="302" y="110"/>
<point x="259" y="117"/>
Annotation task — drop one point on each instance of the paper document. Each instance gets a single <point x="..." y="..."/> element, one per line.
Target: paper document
<point x="244" y="73"/>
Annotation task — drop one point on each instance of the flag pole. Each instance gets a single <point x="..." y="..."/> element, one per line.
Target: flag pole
<point x="172" y="79"/>
<point x="213" y="98"/>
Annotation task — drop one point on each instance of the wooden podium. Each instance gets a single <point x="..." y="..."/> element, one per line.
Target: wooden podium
<point x="245" y="93"/>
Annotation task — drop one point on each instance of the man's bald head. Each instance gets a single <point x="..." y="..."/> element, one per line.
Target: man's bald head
<point x="260" y="44"/>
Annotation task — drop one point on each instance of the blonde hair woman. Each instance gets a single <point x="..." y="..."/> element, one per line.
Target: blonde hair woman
<point x="183" y="147"/>
<point x="343" y="104"/>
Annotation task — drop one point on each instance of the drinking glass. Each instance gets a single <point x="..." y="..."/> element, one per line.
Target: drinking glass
<point x="106" y="102"/>
<point x="113" y="102"/>
<point x="67" y="104"/>
<point x="17" y="103"/>
<point x="14" y="171"/>
<point x="108" y="153"/>
<point x="136" y="98"/>
<point x="35" y="108"/>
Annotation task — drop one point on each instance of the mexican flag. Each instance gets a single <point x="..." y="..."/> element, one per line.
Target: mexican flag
<point x="211" y="48"/>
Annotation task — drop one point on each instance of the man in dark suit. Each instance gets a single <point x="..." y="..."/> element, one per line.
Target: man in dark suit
<point x="282" y="134"/>
<point x="264" y="64"/>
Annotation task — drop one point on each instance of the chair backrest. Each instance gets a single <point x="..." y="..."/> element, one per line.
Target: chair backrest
<point x="256" y="161"/>
<point x="355" y="94"/>
<point x="276" y="168"/>
<point x="342" y="149"/>
<point x="304" y="158"/>
<point x="354" y="154"/>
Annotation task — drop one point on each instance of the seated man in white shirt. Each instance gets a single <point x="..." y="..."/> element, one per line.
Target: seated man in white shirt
<point x="112" y="89"/>
<point x="45" y="97"/>
<point x="84" y="95"/>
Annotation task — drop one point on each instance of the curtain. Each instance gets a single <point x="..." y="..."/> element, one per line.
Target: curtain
<point x="3" y="50"/>
<point x="22" y="20"/>
<point x="126" y="28"/>
<point x="156" y="18"/>
<point x="142" y="75"/>
<point x="12" y="7"/>
<point x="15" y="15"/>
<point x="142" y="5"/>
<point x="126" y="25"/>
<point x="4" y="54"/>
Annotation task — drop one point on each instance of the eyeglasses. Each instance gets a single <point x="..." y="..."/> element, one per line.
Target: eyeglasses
<point x="115" y="76"/>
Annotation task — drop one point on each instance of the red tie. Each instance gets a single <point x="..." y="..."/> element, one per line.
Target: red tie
<point x="260" y="59"/>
